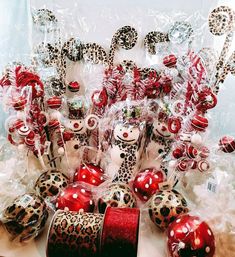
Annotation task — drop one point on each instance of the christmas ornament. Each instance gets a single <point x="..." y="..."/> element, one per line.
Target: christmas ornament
<point x="170" y="61"/>
<point x="74" y="86"/>
<point x="189" y="236"/>
<point x="54" y="102"/>
<point x="116" y="195"/>
<point x="165" y="206"/>
<point x="146" y="183"/>
<point x="199" y="122"/>
<point x="50" y="183"/>
<point x="25" y="217"/>
<point x="227" y="144"/>
<point x="75" y="197"/>
<point x="89" y="173"/>
<point x="203" y="165"/>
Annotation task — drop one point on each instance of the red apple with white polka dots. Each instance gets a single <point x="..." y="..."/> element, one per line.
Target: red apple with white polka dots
<point x="75" y="198"/>
<point x="189" y="236"/>
<point x="146" y="183"/>
<point x="89" y="173"/>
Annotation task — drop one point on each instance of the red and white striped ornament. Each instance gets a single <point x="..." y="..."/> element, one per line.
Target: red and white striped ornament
<point x="199" y="122"/>
<point x="227" y="144"/>
<point x="203" y="165"/>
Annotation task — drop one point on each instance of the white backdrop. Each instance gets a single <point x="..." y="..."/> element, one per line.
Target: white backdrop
<point x="96" y="21"/>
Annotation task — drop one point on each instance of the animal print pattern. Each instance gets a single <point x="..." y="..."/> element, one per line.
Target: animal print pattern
<point x="153" y="38"/>
<point x="50" y="183"/>
<point x="126" y="38"/>
<point x="74" y="234"/>
<point x="25" y="221"/>
<point x="125" y="172"/>
<point x="77" y="51"/>
<point x="222" y="21"/>
<point x="82" y="138"/>
<point x="164" y="142"/>
<point x="165" y="206"/>
<point x="116" y="195"/>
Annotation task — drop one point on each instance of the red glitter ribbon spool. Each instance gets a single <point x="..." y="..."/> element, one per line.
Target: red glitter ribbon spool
<point x="120" y="232"/>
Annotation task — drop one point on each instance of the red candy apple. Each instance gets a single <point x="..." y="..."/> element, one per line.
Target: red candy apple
<point x="189" y="236"/>
<point x="147" y="182"/>
<point x="75" y="198"/>
<point x="89" y="173"/>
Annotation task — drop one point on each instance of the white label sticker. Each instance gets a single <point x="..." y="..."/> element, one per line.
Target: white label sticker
<point x="47" y="147"/>
<point x="165" y="185"/>
<point x="26" y="200"/>
<point x="212" y="185"/>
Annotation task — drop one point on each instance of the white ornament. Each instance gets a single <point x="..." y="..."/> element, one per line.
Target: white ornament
<point x="196" y="139"/>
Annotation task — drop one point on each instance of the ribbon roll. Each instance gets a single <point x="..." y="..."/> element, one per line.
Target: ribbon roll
<point x="74" y="234"/>
<point x="120" y="232"/>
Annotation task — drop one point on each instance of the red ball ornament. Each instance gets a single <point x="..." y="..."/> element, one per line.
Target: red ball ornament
<point x="193" y="164"/>
<point x="183" y="165"/>
<point x="188" y="236"/>
<point x="54" y="124"/>
<point x="206" y="100"/>
<point x="166" y="83"/>
<point x="74" y="86"/>
<point x="89" y="173"/>
<point x="205" y="152"/>
<point x="23" y="131"/>
<point x="30" y="139"/>
<point x="191" y="152"/>
<point x="203" y="165"/>
<point x="54" y="102"/>
<point x="19" y="103"/>
<point x="199" y="122"/>
<point x="170" y="61"/>
<point x="177" y="153"/>
<point x="147" y="182"/>
<point x="227" y="144"/>
<point x="75" y="198"/>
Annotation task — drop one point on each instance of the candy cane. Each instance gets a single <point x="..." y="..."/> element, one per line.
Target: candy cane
<point x="222" y="21"/>
<point x="126" y="38"/>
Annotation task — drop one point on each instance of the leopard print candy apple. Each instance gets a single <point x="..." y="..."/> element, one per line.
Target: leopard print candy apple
<point x="116" y="195"/>
<point x="50" y="183"/>
<point x="165" y="207"/>
<point x="25" y="217"/>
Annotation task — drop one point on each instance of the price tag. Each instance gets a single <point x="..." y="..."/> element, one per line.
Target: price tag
<point x="165" y="185"/>
<point x="47" y="147"/>
<point x="26" y="200"/>
<point x="212" y="185"/>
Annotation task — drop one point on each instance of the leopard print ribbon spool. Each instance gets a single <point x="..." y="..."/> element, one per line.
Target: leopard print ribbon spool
<point x="120" y="232"/>
<point x="126" y="38"/>
<point x="74" y="234"/>
<point x="222" y="21"/>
